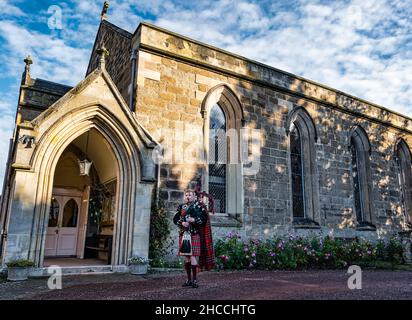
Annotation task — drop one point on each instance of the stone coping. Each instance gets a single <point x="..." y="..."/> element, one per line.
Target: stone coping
<point x="163" y="42"/>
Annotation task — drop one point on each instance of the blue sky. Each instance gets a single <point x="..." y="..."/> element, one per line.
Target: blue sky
<point x="363" y="47"/>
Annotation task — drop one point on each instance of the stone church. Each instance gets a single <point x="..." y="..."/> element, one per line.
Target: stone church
<point x="159" y="113"/>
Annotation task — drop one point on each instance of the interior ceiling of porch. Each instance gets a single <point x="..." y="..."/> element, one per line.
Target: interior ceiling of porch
<point x="97" y="149"/>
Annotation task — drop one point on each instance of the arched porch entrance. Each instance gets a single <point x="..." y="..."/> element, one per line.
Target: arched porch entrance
<point x="82" y="215"/>
<point x="114" y="158"/>
<point x="123" y="169"/>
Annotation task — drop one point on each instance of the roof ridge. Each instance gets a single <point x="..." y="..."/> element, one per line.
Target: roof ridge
<point x="52" y="82"/>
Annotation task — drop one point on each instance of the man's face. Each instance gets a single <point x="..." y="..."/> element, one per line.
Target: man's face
<point x="190" y="197"/>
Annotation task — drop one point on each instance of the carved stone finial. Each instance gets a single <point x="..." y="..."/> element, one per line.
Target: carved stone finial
<point x="104" y="10"/>
<point x="102" y="53"/>
<point x="28" y="61"/>
<point x="26" y="74"/>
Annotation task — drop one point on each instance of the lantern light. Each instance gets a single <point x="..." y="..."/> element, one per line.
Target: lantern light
<point x="85" y="165"/>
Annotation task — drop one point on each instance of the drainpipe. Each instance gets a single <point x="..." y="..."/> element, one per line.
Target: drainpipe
<point x="133" y="59"/>
<point x="157" y="183"/>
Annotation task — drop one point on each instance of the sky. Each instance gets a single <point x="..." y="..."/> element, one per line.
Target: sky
<point x="362" y="47"/>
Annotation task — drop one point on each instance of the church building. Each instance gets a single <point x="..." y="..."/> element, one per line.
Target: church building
<point x="157" y="114"/>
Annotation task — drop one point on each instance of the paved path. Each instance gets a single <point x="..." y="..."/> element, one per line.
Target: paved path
<point x="247" y="285"/>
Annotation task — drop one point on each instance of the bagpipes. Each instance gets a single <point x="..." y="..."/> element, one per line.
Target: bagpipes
<point x="202" y="194"/>
<point x="186" y="244"/>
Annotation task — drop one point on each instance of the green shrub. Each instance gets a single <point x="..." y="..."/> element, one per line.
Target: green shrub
<point x="21" y="263"/>
<point x="136" y="260"/>
<point x="303" y="253"/>
<point x="232" y="252"/>
<point x="159" y="234"/>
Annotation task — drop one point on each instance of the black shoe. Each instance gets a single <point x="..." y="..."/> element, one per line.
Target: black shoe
<point x="188" y="283"/>
<point x="194" y="284"/>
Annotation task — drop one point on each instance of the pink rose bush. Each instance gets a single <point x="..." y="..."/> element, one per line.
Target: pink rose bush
<point x="295" y="252"/>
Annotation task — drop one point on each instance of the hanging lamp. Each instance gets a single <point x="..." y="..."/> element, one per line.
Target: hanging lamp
<point x="85" y="164"/>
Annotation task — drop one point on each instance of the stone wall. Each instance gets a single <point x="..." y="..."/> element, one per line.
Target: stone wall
<point x="175" y="74"/>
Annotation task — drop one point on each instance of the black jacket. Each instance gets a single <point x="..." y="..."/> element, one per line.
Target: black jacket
<point x="194" y="210"/>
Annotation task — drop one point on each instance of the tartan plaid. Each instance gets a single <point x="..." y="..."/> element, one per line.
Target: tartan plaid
<point x="207" y="257"/>
<point x="195" y="245"/>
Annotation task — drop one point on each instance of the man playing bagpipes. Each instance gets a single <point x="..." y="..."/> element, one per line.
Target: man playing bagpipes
<point x="195" y="235"/>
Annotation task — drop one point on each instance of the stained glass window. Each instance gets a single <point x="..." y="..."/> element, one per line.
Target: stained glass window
<point x="217" y="158"/>
<point x="54" y="213"/>
<point x="356" y="183"/>
<point x="70" y="213"/>
<point x="405" y="175"/>
<point x="297" y="174"/>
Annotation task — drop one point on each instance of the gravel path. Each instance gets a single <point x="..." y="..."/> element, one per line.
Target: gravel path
<point x="247" y="285"/>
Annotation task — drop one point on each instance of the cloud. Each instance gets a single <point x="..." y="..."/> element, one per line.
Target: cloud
<point x="362" y="47"/>
<point x="53" y="58"/>
<point x="7" y="111"/>
<point x="7" y="9"/>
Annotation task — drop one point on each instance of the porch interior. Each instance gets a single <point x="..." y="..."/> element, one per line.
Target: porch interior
<point x="82" y="213"/>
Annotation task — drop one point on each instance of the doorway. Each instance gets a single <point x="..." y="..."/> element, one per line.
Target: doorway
<point x="63" y="226"/>
<point x="82" y="212"/>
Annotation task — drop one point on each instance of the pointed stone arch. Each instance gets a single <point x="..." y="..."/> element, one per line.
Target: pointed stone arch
<point x="360" y="148"/>
<point x="361" y="138"/>
<point x="127" y="154"/>
<point x="403" y="158"/>
<point x="223" y="96"/>
<point x="302" y="117"/>
<point x="299" y="122"/>
<point x="73" y="115"/>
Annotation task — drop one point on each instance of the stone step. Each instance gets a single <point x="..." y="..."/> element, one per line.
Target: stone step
<point x="76" y="270"/>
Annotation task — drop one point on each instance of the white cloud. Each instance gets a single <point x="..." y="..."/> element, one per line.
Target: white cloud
<point x="7" y="111"/>
<point x="53" y="58"/>
<point x="347" y="44"/>
<point x="7" y="9"/>
<point x="355" y="46"/>
<point x="6" y="131"/>
<point x="363" y="47"/>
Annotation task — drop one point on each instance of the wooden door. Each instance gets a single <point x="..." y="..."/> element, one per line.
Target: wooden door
<point x="68" y="228"/>
<point x="63" y="226"/>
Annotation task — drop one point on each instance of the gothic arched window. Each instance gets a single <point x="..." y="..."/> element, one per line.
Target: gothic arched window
<point x="217" y="157"/>
<point x="223" y="177"/>
<point x="361" y="178"/>
<point x="355" y="181"/>
<point x="297" y="174"/>
<point x="303" y="173"/>
<point x="403" y="157"/>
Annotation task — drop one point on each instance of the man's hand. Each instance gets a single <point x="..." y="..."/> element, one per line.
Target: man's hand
<point x="191" y="219"/>
<point x="185" y="224"/>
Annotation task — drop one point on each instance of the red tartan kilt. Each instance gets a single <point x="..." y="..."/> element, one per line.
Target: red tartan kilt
<point x="196" y="249"/>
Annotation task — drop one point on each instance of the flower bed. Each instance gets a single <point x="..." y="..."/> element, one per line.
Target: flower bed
<point x="303" y="253"/>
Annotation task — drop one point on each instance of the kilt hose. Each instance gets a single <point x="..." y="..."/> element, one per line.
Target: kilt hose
<point x="196" y="248"/>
